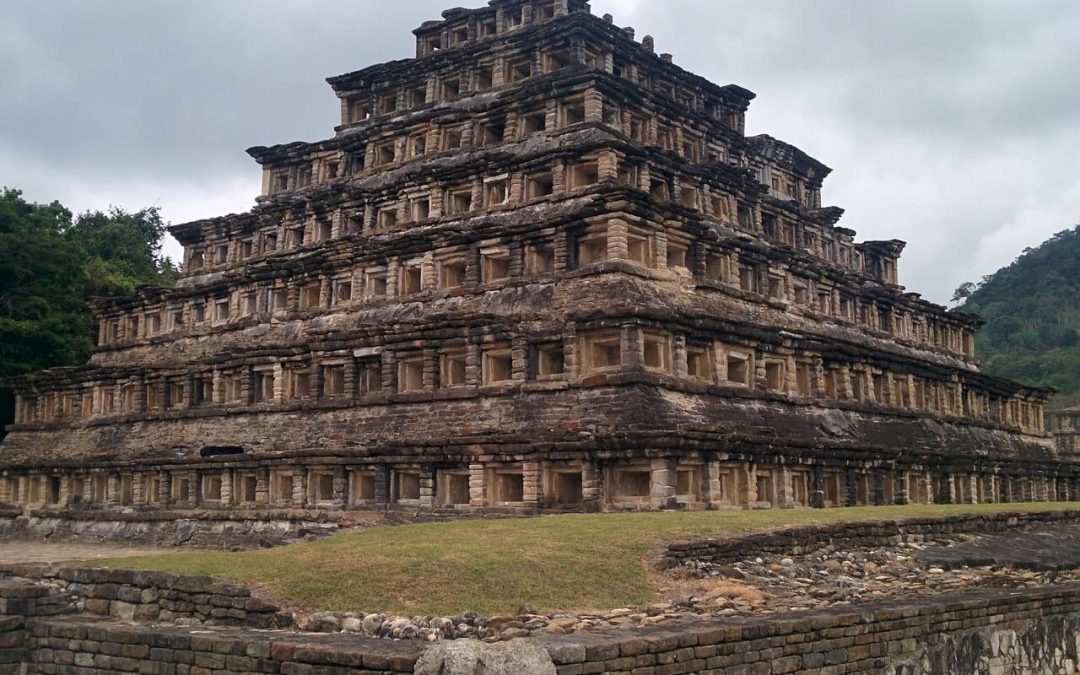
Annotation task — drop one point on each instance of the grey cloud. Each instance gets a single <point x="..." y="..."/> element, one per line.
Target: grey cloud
<point x="948" y="67"/>
<point x="949" y="123"/>
<point x="193" y="82"/>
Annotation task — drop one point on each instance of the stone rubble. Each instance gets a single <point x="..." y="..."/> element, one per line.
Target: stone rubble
<point x="850" y="576"/>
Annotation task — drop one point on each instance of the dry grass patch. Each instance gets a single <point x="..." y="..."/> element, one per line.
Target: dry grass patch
<point x="679" y="588"/>
<point x="493" y="566"/>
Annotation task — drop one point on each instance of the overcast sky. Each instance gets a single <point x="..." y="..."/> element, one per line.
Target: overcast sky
<point x="951" y="124"/>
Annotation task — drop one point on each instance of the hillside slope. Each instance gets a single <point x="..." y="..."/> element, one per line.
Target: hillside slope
<point x="1032" y="308"/>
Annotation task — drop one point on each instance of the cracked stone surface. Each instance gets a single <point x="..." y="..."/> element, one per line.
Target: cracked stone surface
<point x="1039" y="549"/>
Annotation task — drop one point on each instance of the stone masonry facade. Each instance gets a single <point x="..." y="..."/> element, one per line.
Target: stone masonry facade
<point x="1065" y="426"/>
<point x="538" y="266"/>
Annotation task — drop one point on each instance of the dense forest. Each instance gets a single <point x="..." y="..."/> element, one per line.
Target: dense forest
<point x="1032" y="309"/>
<point x="51" y="264"/>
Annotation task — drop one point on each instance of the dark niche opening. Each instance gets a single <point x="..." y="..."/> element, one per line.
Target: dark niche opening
<point x="221" y="450"/>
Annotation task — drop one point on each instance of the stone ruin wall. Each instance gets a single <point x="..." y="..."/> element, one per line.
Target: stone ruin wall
<point x="538" y="266"/>
<point x="1065" y="427"/>
<point x="221" y="529"/>
<point x="806" y="540"/>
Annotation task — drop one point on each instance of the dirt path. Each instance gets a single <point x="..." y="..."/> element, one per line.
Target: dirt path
<point x="33" y="552"/>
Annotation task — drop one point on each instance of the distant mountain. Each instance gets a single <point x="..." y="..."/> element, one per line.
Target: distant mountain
<point x="1032" y="309"/>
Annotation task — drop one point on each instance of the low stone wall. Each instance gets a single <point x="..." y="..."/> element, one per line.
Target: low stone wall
<point x="207" y="529"/>
<point x="75" y="644"/>
<point x="12" y="644"/>
<point x="225" y="529"/>
<point x="19" y="600"/>
<point x="19" y="597"/>
<point x="131" y="595"/>
<point x="1028" y="632"/>
<point x="1015" y="632"/>
<point x="877" y="533"/>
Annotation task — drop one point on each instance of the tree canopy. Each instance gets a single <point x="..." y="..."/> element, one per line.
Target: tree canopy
<point x="52" y="263"/>
<point x="1032" y="310"/>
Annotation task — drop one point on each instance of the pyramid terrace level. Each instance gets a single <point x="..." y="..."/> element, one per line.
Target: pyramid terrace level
<point x="538" y="266"/>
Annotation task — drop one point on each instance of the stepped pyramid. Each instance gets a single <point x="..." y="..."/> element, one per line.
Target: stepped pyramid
<point x="537" y="267"/>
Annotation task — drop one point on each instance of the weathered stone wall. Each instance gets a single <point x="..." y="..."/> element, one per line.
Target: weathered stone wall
<point x="1008" y="633"/>
<point x="879" y="533"/>
<point x="1030" y="632"/>
<point x="131" y="595"/>
<point x="19" y="600"/>
<point x="223" y="529"/>
<point x="191" y="529"/>
<point x="447" y="426"/>
<point x="95" y="645"/>
<point x="12" y="644"/>
<point x="1065" y="426"/>
<point x="606" y="428"/>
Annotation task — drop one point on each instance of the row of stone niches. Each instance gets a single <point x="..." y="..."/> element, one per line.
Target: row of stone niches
<point x="646" y="484"/>
<point x="346" y="378"/>
<point x="490" y="264"/>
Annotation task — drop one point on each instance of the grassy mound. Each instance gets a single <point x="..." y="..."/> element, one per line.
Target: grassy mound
<point x="572" y="562"/>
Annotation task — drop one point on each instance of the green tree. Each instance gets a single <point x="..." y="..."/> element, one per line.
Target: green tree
<point x="51" y="264"/>
<point x="43" y="318"/>
<point x="1032" y="310"/>
<point x="123" y="250"/>
<point x="963" y="292"/>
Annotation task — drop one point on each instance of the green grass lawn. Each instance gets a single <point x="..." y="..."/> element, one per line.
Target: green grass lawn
<point x="571" y="562"/>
